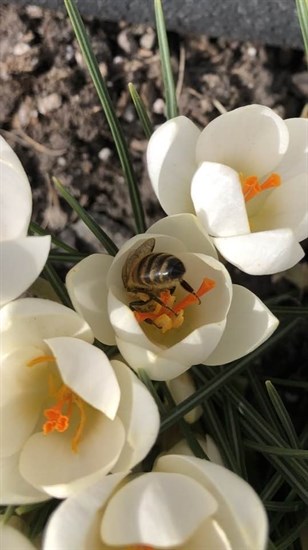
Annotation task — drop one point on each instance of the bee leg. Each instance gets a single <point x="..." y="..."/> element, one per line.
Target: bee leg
<point x="189" y="289"/>
<point x="137" y="304"/>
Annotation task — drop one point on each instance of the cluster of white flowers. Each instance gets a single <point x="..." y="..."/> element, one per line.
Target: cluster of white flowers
<point x="74" y="424"/>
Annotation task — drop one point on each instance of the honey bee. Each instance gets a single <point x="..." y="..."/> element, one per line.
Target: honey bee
<point x="147" y="274"/>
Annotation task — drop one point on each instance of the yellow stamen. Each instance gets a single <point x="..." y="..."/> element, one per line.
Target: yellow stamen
<point x="41" y="359"/>
<point x="252" y="187"/>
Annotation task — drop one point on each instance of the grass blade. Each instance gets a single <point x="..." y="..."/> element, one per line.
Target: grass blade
<point x="57" y="284"/>
<point x="110" y="114"/>
<point x="169" y="87"/>
<point x="302" y="13"/>
<point x="99" y="233"/>
<point x="282" y="414"/>
<point x="141" y="111"/>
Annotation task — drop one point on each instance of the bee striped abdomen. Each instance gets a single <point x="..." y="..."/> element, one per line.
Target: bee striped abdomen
<point x="158" y="269"/>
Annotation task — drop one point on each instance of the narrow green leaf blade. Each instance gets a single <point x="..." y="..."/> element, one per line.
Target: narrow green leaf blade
<point x="282" y="414"/>
<point x="141" y="111"/>
<point x="302" y="13"/>
<point x="169" y="88"/>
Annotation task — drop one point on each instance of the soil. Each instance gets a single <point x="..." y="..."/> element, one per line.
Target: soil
<point x="52" y="117"/>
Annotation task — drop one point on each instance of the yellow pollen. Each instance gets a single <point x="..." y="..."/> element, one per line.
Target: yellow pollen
<point x="252" y="187"/>
<point x="168" y="316"/>
<point x="41" y="359"/>
<point x="58" y="416"/>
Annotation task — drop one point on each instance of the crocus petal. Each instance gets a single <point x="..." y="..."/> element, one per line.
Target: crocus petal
<point x="87" y="371"/>
<point x="207" y="444"/>
<point x="12" y="539"/>
<point x="252" y="140"/>
<point x="181" y="388"/>
<point x="262" y="253"/>
<point x="60" y="471"/>
<point x="286" y="206"/>
<point x="295" y="160"/>
<point x="14" y="488"/>
<point x="171" y="163"/>
<point x="86" y="285"/>
<point x="139" y="415"/>
<point x="74" y="524"/>
<point x="28" y="321"/>
<point x="188" y="229"/>
<point x="133" y="514"/>
<point x="15" y="195"/>
<point x="22" y="260"/>
<point x="218" y="200"/>
<point x="211" y="534"/>
<point x="249" y="324"/>
<point x="244" y="526"/>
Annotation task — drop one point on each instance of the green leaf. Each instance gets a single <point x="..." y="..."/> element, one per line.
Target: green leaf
<point x="294" y="311"/>
<point x="141" y="111"/>
<point x="282" y="414"/>
<point x="57" y="284"/>
<point x="294" y="534"/>
<point x="302" y="13"/>
<point x="281" y="451"/>
<point x="99" y="233"/>
<point x="169" y="88"/>
<point x="61" y="257"/>
<point x="109" y="110"/>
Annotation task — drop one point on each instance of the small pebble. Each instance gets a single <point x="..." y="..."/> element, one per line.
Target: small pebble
<point x="49" y="103"/>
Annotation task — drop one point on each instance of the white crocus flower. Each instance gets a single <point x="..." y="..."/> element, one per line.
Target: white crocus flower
<point x="13" y="539"/>
<point x="184" y="503"/>
<point x="245" y="176"/>
<point x="220" y="324"/>
<point x="22" y="257"/>
<point x="68" y="414"/>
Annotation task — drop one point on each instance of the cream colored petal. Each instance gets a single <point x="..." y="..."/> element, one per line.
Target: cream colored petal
<point x="14" y="488"/>
<point x="15" y="195"/>
<point x="156" y="509"/>
<point x="219" y="201"/>
<point x="88" y="372"/>
<point x="139" y="415"/>
<point x="250" y="139"/>
<point x="28" y="321"/>
<point x="295" y="160"/>
<point x="262" y="253"/>
<point x="246" y="525"/>
<point x="22" y="260"/>
<point x="60" y="471"/>
<point x="207" y="444"/>
<point x="76" y="522"/>
<point x="188" y="229"/>
<point x="249" y="324"/>
<point x="286" y="206"/>
<point x="210" y="535"/>
<point x="12" y="539"/>
<point x="171" y="163"/>
<point x="181" y="388"/>
<point x="86" y="285"/>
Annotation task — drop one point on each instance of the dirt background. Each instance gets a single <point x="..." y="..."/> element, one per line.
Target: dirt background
<point x="50" y="114"/>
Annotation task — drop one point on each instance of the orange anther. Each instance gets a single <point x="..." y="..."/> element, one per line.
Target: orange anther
<point x="41" y="359"/>
<point x="252" y="187"/>
<point x="206" y="286"/>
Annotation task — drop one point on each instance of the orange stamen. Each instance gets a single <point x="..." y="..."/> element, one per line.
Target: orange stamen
<point x="206" y="286"/>
<point x="41" y="359"/>
<point x="252" y="187"/>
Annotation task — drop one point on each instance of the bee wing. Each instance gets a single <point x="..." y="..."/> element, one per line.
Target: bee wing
<point x="140" y="252"/>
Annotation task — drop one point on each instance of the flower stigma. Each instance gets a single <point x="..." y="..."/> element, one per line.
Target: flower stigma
<point x="252" y="187"/>
<point x="58" y="416"/>
<point x="166" y="315"/>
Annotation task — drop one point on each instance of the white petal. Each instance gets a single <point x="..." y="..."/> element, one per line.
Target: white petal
<point x="295" y="160"/>
<point x="28" y="321"/>
<point x="12" y="539"/>
<point x="207" y="444"/>
<point x="87" y="371"/>
<point x="76" y="522"/>
<point x="139" y="415"/>
<point x="86" y="285"/>
<point x="156" y="509"/>
<point x="210" y="535"/>
<point x="171" y="163"/>
<point x="262" y="253"/>
<point x="181" y="388"/>
<point x="188" y="229"/>
<point x="219" y="201"/>
<point x="286" y="206"/>
<point x="14" y="488"/>
<point x="15" y="195"/>
<point x="249" y="324"/>
<point x="244" y="525"/>
<point x="22" y="260"/>
<point x="60" y="471"/>
<point x="251" y="140"/>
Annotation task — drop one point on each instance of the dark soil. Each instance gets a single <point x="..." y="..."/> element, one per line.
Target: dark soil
<point x="51" y="115"/>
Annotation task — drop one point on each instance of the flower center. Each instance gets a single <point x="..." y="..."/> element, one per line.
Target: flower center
<point x="166" y="315"/>
<point x="252" y="187"/>
<point x="58" y="417"/>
